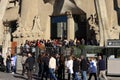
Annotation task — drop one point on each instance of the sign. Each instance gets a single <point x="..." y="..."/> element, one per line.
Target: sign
<point x="113" y="43"/>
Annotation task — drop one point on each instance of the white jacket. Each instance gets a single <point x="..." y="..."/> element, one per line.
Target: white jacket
<point x="69" y="65"/>
<point x="52" y="63"/>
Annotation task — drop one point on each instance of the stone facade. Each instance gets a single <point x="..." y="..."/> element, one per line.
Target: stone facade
<point x="33" y="21"/>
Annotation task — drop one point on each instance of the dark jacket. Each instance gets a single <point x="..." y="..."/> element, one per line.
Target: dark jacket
<point x="76" y="66"/>
<point x="101" y="65"/>
<point x="84" y="65"/>
<point x="30" y="63"/>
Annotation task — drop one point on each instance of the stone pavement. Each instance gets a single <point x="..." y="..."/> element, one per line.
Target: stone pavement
<point x="9" y="76"/>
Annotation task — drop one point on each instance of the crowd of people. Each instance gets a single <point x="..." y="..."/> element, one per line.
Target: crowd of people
<point x="51" y="46"/>
<point x="53" y="64"/>
<point x="57" y="66"/>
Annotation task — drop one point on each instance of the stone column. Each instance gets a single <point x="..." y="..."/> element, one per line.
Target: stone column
<point x="70" y="26"/>
<point x="3" y="5"/>
<point x="6" y="45"/>
<point x="47" y="30"/>
<point x="103" y="22"/>
<point x="1" y="33"/>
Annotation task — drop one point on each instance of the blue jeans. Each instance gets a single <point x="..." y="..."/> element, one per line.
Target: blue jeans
<point x="76" y="76"/>
<point x="14" y="69"/>
<point x="8" y="67"/>
<point x="84" y="75"/>
<point x="52" y="74"/>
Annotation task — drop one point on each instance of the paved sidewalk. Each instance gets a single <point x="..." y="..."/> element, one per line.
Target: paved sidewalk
<point x="9" y="76"/>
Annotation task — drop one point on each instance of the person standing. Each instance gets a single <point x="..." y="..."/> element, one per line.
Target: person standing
<point x="102" y="67"/>
<point x="2" y="66"/>
<point x="84" y="67"/>
<point x="24" y="57"/>
<point x="8" y="61"/>
<point x="13" y="63"/>
<point x="29" y="65"/>
<point x="21" y="49"/>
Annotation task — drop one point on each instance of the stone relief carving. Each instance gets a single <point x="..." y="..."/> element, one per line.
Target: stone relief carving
<point x="93" y="19"/>
<point x="36" y="23"/>
<point x="22" y="32"/>
<point x="93" y="26"/>
<point x="20" y="29"/>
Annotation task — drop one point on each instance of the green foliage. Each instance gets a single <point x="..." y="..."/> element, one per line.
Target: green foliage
<point x="81" y="46"/>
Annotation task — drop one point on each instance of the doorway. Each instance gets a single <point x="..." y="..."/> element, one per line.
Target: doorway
<point x="58" y="27"/>
<point x="80" y="26"/>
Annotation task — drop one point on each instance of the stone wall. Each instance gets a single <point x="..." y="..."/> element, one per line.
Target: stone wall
<point x="43" y="9"/>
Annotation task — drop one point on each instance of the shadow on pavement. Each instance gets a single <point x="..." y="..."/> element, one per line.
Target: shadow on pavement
<point x="17" y="75"/>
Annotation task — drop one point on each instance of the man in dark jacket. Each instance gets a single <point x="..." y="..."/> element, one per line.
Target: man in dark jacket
<point x="84" y="67"/>
<point x="102" y="68"/>
<point x="45" y="61"/>
<point x="76" y="68"/>
<point x="29" y="65"/>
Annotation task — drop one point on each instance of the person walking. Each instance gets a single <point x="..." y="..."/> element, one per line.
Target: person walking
<point x="92" y="70"/>
<point x="102" y="68"/>
<point x="41" y="65"/>
<point x="84" y="67"/>
<point x="52" y="67"/>
<point x="76" y="68"/>
<point x="61" y="68"/>
<point x="29" y="65"/>
<point x="39" y="61"/>
<point x="69" y="65"/>
<point x="46" y="68"/>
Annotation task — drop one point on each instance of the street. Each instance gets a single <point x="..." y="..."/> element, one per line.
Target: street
<point x="9" y="76"/>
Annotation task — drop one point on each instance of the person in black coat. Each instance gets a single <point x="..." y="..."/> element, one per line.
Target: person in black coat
<point x="84" y="67"/>
<point x="76" y="68"/>
<point x="45" y="61"/>
<point x="102" y="68"/>
<point x="29" y="65"/>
